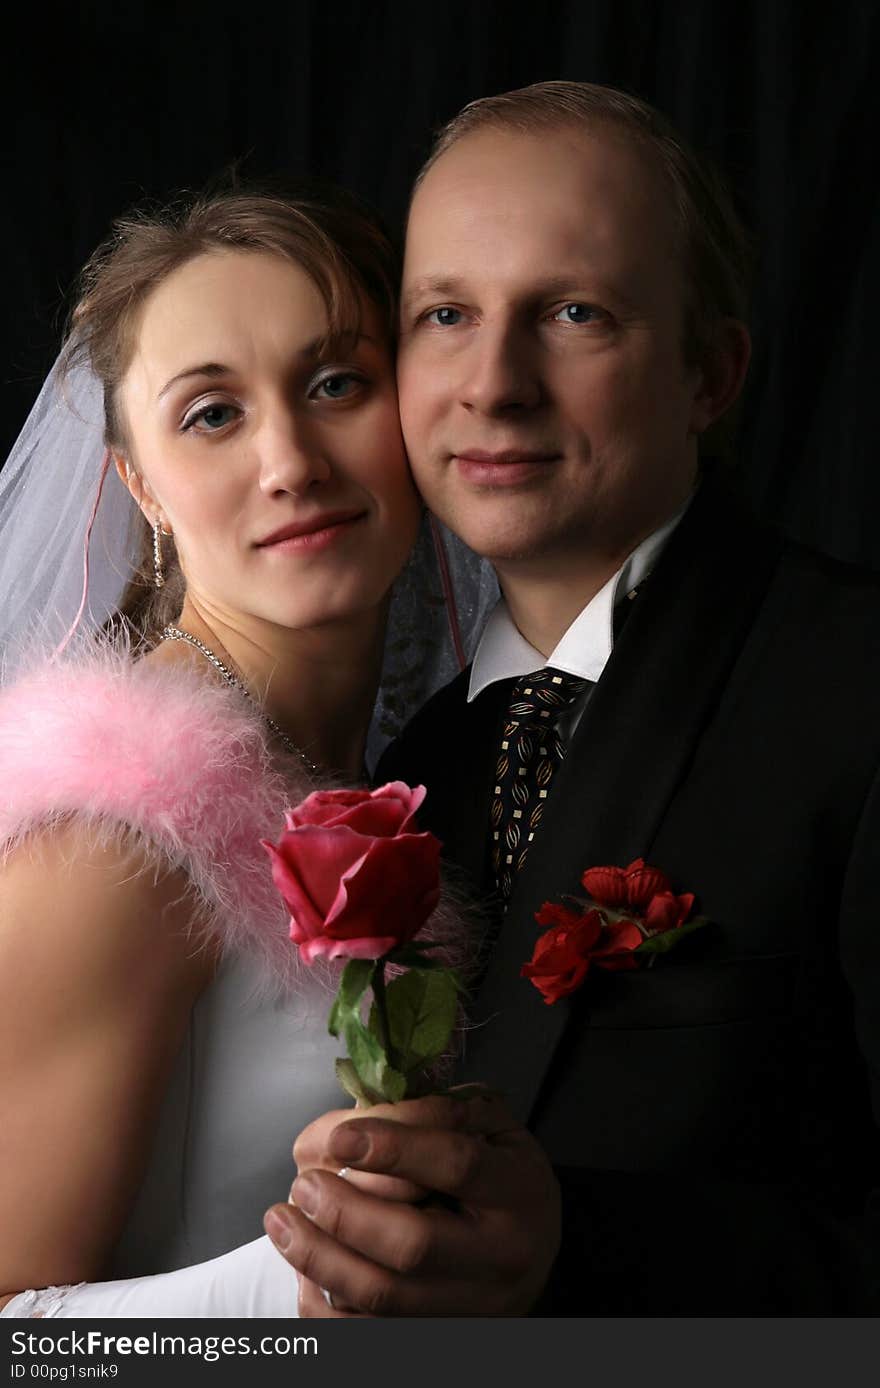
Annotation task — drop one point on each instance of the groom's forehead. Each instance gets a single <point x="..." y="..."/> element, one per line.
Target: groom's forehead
<point x="500" y="201"/>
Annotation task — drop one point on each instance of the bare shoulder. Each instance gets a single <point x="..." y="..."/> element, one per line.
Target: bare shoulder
<point x="97" y="903"/>
<point x="99" y="969"/>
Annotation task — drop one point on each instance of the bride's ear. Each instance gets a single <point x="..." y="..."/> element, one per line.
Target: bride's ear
<point x="137" y="487"/>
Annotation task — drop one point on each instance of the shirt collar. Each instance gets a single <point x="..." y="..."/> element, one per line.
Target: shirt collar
<point x="504" y="653"/>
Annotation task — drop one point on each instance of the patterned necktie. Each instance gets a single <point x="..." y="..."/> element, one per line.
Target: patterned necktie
<point x="531" y="751"/>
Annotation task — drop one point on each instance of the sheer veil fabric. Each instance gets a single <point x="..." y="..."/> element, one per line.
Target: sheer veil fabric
<point x="67" y="542"/>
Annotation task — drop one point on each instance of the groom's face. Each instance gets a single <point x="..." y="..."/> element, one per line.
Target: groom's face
<point x="545" y="399"/>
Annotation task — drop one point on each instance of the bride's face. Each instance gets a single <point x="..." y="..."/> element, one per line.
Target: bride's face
<point x="282" y="477"/>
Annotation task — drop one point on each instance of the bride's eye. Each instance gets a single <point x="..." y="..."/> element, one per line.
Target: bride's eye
<point x="210" y="418"/>
<point x="337" y="385"/>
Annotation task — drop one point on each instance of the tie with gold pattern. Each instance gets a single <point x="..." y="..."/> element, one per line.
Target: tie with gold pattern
<point x="531" y="750"/>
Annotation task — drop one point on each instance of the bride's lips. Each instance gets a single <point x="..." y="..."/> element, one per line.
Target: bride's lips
<point x="314" y="533"/>
<point x="505" y="468"/>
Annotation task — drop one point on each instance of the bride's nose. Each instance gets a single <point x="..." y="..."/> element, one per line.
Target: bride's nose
<point x="291" y="456"/>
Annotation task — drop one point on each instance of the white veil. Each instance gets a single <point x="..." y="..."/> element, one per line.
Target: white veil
<point x="48" y="490"/>
<point x="67" y="552"/>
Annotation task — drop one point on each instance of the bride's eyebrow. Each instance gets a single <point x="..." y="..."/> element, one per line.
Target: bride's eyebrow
<point x="208" y="368"/>
<point x="310" y="351"/>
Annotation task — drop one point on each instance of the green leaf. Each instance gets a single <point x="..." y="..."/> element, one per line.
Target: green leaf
<point x="365" y="1050"/>
<point x="350" y="1080"/>
<point x="371" y="1064"/>
<point x="393" y="1085"/>
<point x="668" y="939"/>
<point x="356" y="979"/>
<point x="421" y="1014"/>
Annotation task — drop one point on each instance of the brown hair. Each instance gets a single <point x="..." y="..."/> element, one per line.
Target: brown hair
<point x="329" y="234"/>
<point x="716" y="252"/>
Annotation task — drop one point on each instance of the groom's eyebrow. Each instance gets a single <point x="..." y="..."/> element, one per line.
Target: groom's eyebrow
<point x="442" y="286"/>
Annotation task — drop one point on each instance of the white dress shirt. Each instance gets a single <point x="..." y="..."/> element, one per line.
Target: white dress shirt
<point x="504" y="653"/>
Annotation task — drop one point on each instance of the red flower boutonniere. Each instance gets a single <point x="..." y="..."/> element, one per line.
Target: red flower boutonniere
<point x="630" y="915"/>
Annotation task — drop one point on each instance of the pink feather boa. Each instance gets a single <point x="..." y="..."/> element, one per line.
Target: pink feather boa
<point x="167" y="757"/>
<point x="164" y="754"/>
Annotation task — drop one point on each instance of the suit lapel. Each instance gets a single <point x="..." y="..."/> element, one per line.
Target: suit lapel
<point x="629" y="754"/>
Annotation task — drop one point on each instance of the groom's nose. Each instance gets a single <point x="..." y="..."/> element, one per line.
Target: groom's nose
<point x="501" y="369"/>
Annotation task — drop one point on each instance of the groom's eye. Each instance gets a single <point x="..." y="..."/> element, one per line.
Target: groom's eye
<point x="444" y="317"/>
<point x="578" y="314"/>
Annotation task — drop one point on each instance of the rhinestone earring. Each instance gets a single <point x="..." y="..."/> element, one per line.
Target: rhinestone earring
<point x="158" y="570"/>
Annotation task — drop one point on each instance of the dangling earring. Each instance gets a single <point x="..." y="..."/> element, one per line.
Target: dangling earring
<point x="158" y="571"/>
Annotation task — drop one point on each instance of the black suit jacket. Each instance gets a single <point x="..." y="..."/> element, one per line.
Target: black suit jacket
<point x="710" y="1118"/>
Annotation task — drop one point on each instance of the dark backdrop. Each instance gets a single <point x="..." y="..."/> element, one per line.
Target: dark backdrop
<point x="113" y="102"/>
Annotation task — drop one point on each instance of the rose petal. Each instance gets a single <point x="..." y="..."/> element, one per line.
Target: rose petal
<point x="325" y="807"/>
<point x="409" y="797"/>
<point x="562" y="954"/>
<point x="370" y="947"/>
<point x="620" y="937"/>
<point x="667" y="912"/>
<point x="553" y="985"/>
<point x="619" y="941"/>
<point x="315" y="860"/>
<point x="308" y="913"/>
<point x="643" y="882"/>
<point x="395" y="884"/>
<point x="376" y="819"/>
<point x="606" y="885"/>
<point x="552" y="913"/>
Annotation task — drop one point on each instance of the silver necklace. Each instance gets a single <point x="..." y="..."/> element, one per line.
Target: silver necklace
<point x="173" y="633"/>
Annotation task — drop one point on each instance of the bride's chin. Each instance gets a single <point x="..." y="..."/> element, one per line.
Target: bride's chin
<point x="325" y="619"/>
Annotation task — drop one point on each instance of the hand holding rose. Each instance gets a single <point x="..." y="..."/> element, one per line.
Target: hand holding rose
<point x="484" y="1249"/>
<point x="359" y="882"/>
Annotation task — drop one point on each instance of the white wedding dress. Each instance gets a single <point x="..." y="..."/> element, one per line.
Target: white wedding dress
<point x="251" y="1074"/>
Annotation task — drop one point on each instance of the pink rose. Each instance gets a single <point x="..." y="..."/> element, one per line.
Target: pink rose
<point x="354" y="872"/>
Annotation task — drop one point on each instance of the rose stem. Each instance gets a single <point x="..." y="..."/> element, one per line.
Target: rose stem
<point x="381" y="1002"/>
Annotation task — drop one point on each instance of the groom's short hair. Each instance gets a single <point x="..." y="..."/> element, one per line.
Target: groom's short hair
<point x="716" y="253"/>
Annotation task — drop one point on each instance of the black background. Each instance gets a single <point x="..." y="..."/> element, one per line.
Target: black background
<point x="109" y="103"/>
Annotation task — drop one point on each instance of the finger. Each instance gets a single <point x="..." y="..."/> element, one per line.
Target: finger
<point x="311" y="1148"/>
<point x="408" y="1240"/>
<point x="382" y="1187"/>
<point x="353" y="1281"/>
<point x="485" y="1111"/>
<point x="471" y="1168"/>
<point x="314" y="1304"/>
<point x="434" y="1110"/>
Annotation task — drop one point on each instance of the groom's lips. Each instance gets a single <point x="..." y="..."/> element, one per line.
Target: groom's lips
<point x="506" y="467"/>
<point x="314" y="533"/>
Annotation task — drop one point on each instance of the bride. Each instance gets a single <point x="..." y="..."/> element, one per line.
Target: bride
<point x="158" y="1045"/>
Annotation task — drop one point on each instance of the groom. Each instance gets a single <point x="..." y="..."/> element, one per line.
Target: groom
<point x="572" y="328"/>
